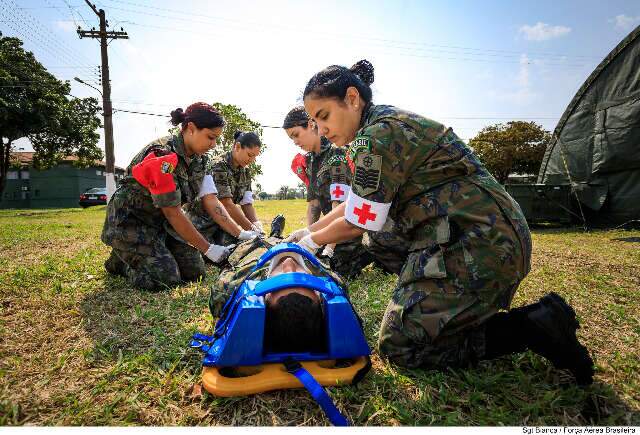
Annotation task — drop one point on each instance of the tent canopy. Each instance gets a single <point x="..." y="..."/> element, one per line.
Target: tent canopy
<point x="596" y="144"/>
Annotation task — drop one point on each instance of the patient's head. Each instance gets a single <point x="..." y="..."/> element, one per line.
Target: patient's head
<point x="294" y="318"/>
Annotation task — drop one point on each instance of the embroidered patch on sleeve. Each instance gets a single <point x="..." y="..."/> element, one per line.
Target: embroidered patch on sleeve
<point x="366" y="178"/>
<point x="299" y="167"/>
<point x="155" y="173"/>
<point x="361" y="144"/>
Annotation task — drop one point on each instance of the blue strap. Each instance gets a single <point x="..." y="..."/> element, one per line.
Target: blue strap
<point x="320" y="396"/>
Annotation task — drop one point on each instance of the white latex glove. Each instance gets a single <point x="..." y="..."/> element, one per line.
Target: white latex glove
<point x="257" y="226"/>
<point x="297" y="235"/>
<point x="327" y="251"/>
<point x="307" y="243"/>
<point x="217" y="253"/>
<point x="247" y="235"/>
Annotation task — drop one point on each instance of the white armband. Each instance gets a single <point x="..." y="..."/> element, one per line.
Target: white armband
<point x="247" y="198"/>
<point x="366" y="214"/>
<point x="207" y="186"/>
<point x="339" y="192"/>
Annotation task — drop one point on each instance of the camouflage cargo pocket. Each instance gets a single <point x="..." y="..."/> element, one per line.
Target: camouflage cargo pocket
<point x="425" y="264"/>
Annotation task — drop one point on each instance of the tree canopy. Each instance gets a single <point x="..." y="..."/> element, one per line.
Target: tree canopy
<point x="34" y="104"/>
<point x="514" y="147"/>
<point x="237" y="120"/>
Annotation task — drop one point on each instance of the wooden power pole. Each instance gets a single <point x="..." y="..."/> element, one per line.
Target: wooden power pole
<point x="103" y="35"/>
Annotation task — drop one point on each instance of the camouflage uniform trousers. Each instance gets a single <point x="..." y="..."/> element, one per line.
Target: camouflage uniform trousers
<point x="171" y="263"/>
<point x="212" y="231"/>
<point x="436" y="316"/>
<point x="350" y="258"/>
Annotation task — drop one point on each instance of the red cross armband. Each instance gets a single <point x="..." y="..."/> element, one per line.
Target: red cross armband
<point x="156" y="173"/>
<point x="299" y="167"/>
<point x="365" y="213"/>
<point x="339" y="192"/>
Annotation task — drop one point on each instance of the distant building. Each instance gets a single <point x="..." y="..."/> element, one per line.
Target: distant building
<point x="58" y="187"/>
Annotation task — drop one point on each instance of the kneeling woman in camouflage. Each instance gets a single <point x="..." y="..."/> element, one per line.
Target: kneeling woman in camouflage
<point x="166" y="174"/>
<point x="233" y="182"/>
<point x="462" y="241"/>
<point x="329" y="179"/>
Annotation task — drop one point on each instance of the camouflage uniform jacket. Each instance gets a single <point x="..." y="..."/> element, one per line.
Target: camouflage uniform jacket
<point x="134" y="220"/>
<point x="241" y="263"/>
<point x="415" y="179"/>
<point x="329" y="175"/>
<point x="230" y="182"/>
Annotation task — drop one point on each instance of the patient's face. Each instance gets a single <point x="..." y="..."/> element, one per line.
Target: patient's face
<point x="289" y="265"/>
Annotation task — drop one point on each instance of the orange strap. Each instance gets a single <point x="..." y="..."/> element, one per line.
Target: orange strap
<point x="156" y="173"/>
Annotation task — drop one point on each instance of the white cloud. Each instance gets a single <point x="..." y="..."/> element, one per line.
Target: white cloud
<point x="625" y="22"/>
<point x="543" y="32"/>
<point x="522" y="94"/>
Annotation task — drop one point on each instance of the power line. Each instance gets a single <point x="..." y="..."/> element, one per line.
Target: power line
<point x="50" y="47"/>
<point x="253" y="26"/>
<point x="39" y="29"/>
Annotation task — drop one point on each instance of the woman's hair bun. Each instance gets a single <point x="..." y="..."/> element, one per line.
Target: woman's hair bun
<point x="363" y="69"/>
<point x="177" y="116"/>
<point x="236" y="135"/>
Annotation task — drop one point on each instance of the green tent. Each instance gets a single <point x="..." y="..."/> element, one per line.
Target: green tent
<point x="596" y="144"/>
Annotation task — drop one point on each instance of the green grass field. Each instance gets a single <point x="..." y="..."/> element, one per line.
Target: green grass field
<point x="78" y="347"/>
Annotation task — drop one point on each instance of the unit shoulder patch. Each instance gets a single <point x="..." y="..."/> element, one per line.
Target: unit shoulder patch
<point x="366" y="178"/>
<point x="361" y="144"/>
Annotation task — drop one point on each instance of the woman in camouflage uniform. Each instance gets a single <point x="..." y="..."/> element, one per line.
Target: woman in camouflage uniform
<point x="329" y="184"/>
<point x="233" y="181"/>
<point x="164" y="175"/>
<point x="461" y="242"/>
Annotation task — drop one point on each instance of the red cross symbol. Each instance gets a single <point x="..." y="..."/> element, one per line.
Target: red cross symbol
<point x="364" y="214"/>
<point x="337" y="192"/>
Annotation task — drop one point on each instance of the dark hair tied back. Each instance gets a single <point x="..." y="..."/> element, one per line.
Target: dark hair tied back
<point x="247" y="139"/>
<point x="177" y="116"/>
<point x="203" y="115"/>
<point x="363" y="69"/>
<point x="297" y="117"/>
<point x="334" y="80"/>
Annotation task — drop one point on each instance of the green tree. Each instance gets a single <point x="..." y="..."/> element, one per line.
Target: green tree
<point x="34" y="105"/>
<point x="302" y="189"/>
<point x="514" y="147"/>
<point x="237" y="120"/>
<point x="283" y="192"/>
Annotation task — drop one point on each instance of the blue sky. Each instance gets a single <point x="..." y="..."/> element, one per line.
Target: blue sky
<point x="467" y="64"/>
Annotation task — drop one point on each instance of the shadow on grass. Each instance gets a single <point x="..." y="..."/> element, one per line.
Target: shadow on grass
<point x="627" y="239"/>
<point x="156" y="327"/>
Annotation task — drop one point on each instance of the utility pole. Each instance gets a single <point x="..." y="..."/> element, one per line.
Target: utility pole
<point x="102" y="34"/>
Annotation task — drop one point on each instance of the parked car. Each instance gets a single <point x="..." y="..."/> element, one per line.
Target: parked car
<point x="95" y="196"/>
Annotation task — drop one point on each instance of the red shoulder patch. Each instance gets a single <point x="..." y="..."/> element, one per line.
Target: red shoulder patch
<point x="155" y="173"/>
<point x="299" y="167"/>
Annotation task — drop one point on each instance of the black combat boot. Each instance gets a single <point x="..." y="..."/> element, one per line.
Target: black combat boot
<point x="115" y="265"/>
<point x="548" y="328"/>
<point x="277" y="226"/>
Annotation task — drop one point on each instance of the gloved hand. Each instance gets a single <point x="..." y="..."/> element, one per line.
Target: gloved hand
<point x="297" y="235"/>
<point x="257" y="227"/>
<point x="328" y="251"/>
<point x="307" y="243"/>
<point x="217" y="253"/>
<point x="247" y="235"/>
